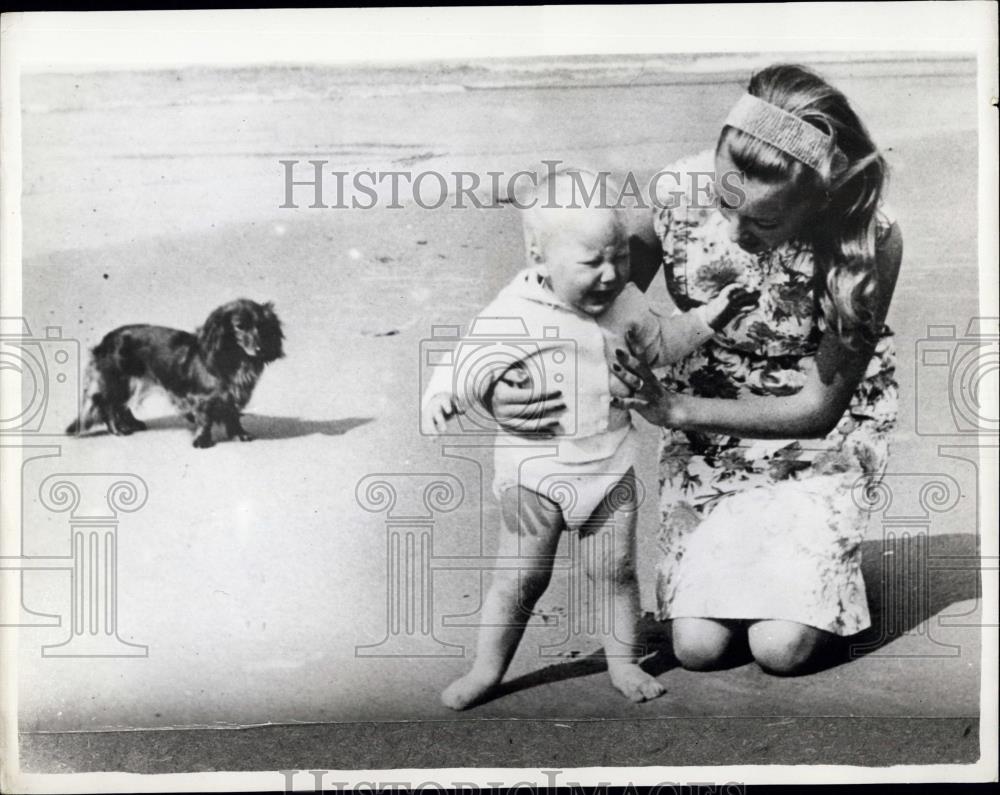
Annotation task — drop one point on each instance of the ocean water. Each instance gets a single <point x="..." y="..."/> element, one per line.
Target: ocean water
<point x="112" y="156"/>
<point x="110" y="88"/>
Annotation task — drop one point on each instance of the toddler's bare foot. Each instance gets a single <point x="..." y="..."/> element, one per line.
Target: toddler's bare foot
<point x="468" y="690"/>
<point x="634" y="682"/>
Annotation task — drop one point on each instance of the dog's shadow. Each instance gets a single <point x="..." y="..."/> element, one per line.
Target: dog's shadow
<point x="262" y="426"/>
<point x="909" y="581"/>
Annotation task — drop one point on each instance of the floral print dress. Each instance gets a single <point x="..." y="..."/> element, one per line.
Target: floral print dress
<point x="763" y="529"/>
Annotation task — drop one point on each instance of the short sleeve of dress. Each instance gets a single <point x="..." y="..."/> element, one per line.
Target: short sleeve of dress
<point x="684" y="195"/>
<point x="682" y="188"/>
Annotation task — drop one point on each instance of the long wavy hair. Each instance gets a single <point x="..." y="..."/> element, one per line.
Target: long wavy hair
<point x="844" y="235"/>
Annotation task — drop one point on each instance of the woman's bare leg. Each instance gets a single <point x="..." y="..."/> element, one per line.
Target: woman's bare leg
<point x="786" y="647"/>
<point x="704" y="644"/>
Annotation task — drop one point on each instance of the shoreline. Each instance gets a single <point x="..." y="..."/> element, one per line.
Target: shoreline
<point x="325" y="81"/>
<point x="692" y="63"/>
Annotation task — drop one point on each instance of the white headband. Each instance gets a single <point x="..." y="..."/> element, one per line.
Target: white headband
<point x="787" y="132"/>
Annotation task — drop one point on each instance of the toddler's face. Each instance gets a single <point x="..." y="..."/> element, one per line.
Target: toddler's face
<point x="586" y="255"/>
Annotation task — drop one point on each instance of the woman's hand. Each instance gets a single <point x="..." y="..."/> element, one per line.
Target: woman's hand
<point x="521" y="411"/>
<point x="653" y="402"/>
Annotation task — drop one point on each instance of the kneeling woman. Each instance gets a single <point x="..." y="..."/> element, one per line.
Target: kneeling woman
<point x="774" y="427"/>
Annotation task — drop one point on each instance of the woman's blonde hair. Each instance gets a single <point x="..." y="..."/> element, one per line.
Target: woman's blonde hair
<point x="845" y="236"/>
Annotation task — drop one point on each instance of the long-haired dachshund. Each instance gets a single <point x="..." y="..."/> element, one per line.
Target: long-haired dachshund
<point x="209" y="376"/>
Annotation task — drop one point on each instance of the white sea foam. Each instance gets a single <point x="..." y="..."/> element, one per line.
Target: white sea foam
<point x="206" y="86"/>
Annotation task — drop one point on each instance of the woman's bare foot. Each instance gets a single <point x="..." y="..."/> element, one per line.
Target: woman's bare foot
<point x="468" y="690"/>
<point x="634" y="682"/>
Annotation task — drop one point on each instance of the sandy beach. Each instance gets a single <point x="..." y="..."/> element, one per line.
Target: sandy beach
<point x="253" y="574"/>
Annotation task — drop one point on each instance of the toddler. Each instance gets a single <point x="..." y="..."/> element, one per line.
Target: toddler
<point x="576" y="306"/>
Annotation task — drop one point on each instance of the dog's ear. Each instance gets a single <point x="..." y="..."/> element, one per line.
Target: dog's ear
<point x="271" y="333"/>
<point x="215" y="339"/>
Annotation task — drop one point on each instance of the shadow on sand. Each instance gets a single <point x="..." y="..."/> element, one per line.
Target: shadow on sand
<point x="265" y="427"/>
<point x="909" y="581"/>
<point x="655" y="637"/>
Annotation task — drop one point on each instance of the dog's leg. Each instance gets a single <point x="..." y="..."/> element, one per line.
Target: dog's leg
<point x="113" y="392"/>
<point x="118" y="423"/>
<point x="203" y="436"/>
<point x="132" y="421"/>
<point x="203" y="418"/>
<point x="234" y="428"/>
<point x="119" y="417"/>
<point x="113" y="412"/>
<point x="90" y="411"/>
<point x="137" y="386"/>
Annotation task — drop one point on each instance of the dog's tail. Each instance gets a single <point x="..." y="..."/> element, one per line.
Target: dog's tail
<point x="89" y="413"/>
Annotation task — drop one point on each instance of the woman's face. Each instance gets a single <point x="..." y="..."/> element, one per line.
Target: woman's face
<point x="760" y="215"/>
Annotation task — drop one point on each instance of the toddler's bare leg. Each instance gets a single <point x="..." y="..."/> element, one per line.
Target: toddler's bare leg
<point x="609" y="549"/>
<point x="528" y="541"/>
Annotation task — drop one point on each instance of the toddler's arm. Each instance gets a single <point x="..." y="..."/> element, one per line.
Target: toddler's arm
<point x="731" y="301"/>
<point x="439" y="402"/>
<point x="683" y="333"/>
